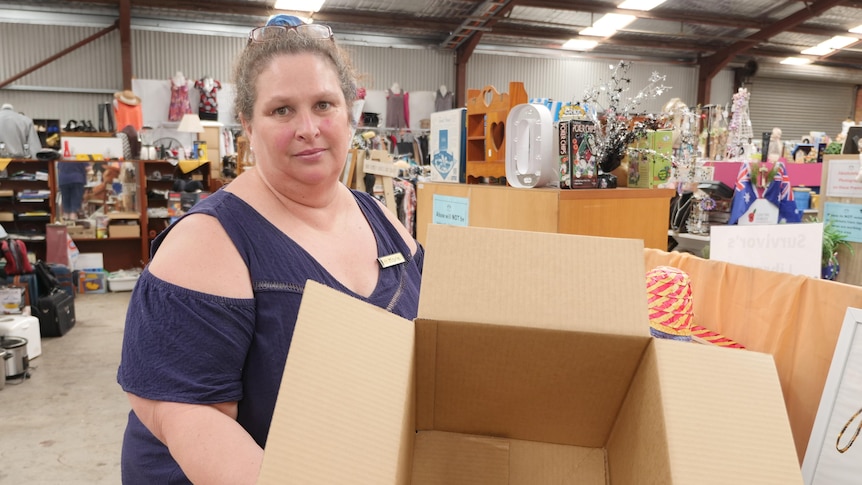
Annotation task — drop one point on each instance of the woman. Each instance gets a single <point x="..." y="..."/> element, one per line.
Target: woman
<point x="211" y="318"/>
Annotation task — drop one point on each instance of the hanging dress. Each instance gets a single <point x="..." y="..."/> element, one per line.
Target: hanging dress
<point x="179" y="101"/>
<point x="208" y="109"/>
<point x="396" y="109"/>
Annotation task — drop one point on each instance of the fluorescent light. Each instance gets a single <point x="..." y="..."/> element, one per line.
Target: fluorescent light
<point x="640" y="4"/>
<point x="856" y="30"/>
<point x="840" y="42"/>
<point x="299" y="5"/>
<point x="827" y="46"/>
<point x="796" y="61"/>
<point x="818" y="50"/>
<point x="580" y="44"/>
<point x="608" y="25"/>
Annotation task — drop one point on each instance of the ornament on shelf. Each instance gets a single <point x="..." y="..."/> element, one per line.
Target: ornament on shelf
<point x="740" y="134"/>
<point x="617" y="127"/>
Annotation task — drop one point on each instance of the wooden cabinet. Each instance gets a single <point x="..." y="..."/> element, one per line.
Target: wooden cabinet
<point x="27" y="194"/>
<point x="622" y="212"/>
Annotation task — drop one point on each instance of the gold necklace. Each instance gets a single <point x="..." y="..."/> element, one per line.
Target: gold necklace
<point x="847" y="425"/>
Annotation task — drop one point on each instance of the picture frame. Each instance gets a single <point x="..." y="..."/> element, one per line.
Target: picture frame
<point x="349" y="168"/>
<point x="833" y="457"/>
<point x="851" y="141"/>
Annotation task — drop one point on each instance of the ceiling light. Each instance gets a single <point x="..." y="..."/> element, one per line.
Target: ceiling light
<point x="796" y="61"/>
<point x="840" y="42"/>
<point x="856" y="30"/>
<point x="640" y="4"/>
<point x="580" y="44"/>
<point x="818" y="50"/>
<point x="299" y="5"/>
<point x="608" y="25"/>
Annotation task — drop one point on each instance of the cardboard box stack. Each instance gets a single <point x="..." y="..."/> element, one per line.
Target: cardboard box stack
<point x="509" y="377"/>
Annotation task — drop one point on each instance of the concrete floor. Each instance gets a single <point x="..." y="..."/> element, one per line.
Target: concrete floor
<point x="65" y="423"/>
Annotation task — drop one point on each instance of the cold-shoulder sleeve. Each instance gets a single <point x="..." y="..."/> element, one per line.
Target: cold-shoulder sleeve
<point x="184" y="346"/>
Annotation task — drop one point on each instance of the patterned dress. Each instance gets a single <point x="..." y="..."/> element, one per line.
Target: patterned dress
<point x="208" y="109"/>
<point x="179" y="101"/>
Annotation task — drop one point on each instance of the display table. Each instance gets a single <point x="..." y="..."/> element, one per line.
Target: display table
<point x="794" y="318"/>
<point x="622" y="212"/>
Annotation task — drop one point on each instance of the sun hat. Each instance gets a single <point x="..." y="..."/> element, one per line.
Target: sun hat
<point x="127" y="97"/>
<point x="669" y="302"/>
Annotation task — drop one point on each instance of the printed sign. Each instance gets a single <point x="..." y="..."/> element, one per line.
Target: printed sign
<point x="841" y="179"/>
<point x="786" y="248"/>
<point x="453" y="211"/>
<point x="846" y="218"/>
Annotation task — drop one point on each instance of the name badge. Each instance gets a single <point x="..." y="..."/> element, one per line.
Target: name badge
<point x="391" y="260"/>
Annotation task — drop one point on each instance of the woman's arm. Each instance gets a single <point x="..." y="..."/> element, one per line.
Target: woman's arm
<point x="206" y="441"/>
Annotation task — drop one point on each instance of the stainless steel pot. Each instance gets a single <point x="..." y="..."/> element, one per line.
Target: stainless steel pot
<point x="18" y="363"/>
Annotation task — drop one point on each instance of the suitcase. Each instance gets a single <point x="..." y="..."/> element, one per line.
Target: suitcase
<point x="64" y="276"/>
<point x="56" y="313"/>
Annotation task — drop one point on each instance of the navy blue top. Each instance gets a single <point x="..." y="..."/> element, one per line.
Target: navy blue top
<point x="186" y="346"/>
<point x="71" y="173"/>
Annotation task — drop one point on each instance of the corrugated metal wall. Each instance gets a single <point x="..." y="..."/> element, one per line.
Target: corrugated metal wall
<point x="71" y="87"/>
<point x="414" y="69"/>
<point x="799" y="107"/>
<point x="566" y="79"/>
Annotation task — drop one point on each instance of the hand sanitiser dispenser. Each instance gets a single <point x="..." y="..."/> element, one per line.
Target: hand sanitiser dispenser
<point x="530" y="160"/>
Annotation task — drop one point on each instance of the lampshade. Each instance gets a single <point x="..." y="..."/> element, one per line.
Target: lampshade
<point x="191" y="123"/>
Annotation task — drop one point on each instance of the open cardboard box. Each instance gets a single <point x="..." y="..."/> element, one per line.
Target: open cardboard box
<point x="520" y="370"/>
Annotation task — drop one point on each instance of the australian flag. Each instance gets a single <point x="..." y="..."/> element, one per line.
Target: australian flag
<point x="780" y="193"/>
<point x="743" y="194"/>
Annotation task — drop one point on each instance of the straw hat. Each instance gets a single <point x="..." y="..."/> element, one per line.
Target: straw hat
<point x="127" y="97"/>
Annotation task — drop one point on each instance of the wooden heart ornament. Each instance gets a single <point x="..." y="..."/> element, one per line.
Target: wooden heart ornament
<point x="498" y="134"/>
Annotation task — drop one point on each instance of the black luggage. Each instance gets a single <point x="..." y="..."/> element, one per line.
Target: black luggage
<point x="56" y="313"/>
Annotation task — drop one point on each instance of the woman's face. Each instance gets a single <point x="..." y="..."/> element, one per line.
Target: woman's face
<point x="301" y="128"/>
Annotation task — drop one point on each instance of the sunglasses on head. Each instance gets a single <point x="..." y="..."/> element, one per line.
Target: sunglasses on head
<point x="269" y="32"/>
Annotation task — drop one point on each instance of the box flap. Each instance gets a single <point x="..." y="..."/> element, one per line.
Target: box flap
<point x="346" y="396"/>
<point x="725" y="416"/>
<point x="534" y="279"/>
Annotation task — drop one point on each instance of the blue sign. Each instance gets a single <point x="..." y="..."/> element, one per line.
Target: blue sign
<point x="846" y="218"/>
<point x="453" y="211"/>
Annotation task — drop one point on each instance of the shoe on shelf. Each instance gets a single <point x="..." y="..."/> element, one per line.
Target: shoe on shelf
<point x="88" y="127"/>
<point x="72" y="125"/>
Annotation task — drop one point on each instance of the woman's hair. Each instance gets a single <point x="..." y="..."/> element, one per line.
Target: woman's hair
<point x="257" y="55"/>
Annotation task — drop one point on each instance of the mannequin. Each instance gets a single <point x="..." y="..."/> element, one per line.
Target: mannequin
<point x="397" y="107"/>
<point x="444" y="100"/>
<point x="208" y="109"/>
<point x="18" y="136"/>
<point x="179" y="97"/>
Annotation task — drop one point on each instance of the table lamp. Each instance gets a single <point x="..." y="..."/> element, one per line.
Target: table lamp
<point x="191" y="123"/>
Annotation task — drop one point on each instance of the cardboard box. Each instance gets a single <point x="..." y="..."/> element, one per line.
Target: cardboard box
<point x="124" y="230"/>
<point x="81" y="232"/>
<point x="502" y="379"/>
<point x="653" y="168"/>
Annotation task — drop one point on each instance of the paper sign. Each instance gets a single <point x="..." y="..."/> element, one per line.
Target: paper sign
<point x="786" y="248"/>
<point x="841" y="179"/>
<point x="847" y="218"/>
<point x="453" y="211"/>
